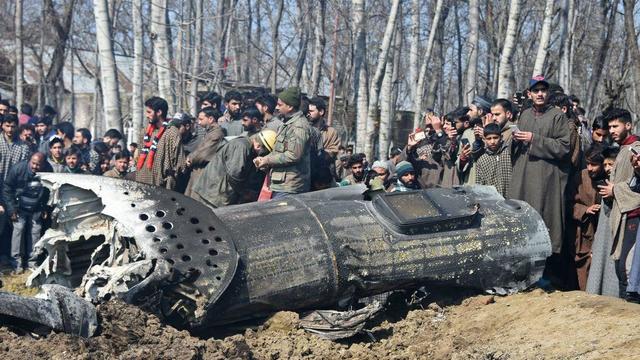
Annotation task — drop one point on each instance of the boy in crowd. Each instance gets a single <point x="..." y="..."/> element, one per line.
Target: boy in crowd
<point x="121" y="167"/>
<point x="586" y="208"/>
<point x="493" y="167"/>
<point x="56" y="157"/>
<point x="72" y="161"/>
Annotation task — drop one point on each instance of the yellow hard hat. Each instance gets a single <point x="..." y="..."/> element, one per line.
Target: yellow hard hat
<point x="267" y="138"/>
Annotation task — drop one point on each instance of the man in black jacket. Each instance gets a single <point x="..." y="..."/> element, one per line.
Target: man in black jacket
<point x="25" y="199"/>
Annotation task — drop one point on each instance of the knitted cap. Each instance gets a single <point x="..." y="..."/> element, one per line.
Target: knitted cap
<point x="403" y="168"/>
<point x="290" y="96"/>
<point x="380" y="164"/>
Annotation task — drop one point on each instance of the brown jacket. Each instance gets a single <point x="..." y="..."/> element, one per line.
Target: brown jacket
<point x="583" y="195"/>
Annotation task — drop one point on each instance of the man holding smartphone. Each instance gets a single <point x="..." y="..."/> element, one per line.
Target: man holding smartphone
<point x="540" y="156"/>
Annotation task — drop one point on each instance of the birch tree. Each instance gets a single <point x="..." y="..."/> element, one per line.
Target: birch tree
<point x="108" y="70"/>
<point x="426" y="59"/>
<point x="137" y="113"/>
<point x="472" y="51"/>
<point x="19" y="53"/>
<point x="318" y="46"/>
<point x="545" y="36"/>
<point x="378" y="76"/>
<point x="360" y="75"/>
<point x="161" y="50"/>
<point x="504" y="70"/>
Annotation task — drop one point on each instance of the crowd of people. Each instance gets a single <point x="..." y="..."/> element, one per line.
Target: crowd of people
<point x="582" y="176"/>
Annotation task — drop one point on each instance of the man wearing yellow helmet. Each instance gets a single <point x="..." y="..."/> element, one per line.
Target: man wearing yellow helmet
<point x="230" y="176"/>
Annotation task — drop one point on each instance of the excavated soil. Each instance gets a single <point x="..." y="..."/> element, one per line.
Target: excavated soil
<point x="532" y="325"/>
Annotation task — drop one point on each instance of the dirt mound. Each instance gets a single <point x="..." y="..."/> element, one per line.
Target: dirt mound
<point x="522" y="326"/>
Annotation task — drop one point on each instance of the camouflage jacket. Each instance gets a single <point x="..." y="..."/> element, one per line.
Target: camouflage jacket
<point x="290" y="159"/>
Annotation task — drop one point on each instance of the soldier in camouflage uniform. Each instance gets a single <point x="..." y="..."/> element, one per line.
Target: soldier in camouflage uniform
<point x="290" y="159"/>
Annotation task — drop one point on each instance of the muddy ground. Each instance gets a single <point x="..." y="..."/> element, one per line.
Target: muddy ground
<point x="535" y="325"/>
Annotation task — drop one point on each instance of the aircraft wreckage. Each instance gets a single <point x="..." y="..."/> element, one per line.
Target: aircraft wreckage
<point x="198" y="268"/>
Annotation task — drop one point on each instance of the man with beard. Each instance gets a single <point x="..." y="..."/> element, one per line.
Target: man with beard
<point x="251" y="121"/>
<point x="290" y="160"/>
<point x="43" y="133"/>
<point x="266" y="104"/>
<point x="82" y="139"/>
<point x="600" y="131"/>
<point x="231" y="120"/>
<point x="625" y="212"/>
<point x="406" y="178"/>
<point x="477" y="113"/>
<point x="161" y="158"/>
<point x="502" y="114"/>
<point x="356" y="165"/>
<point x="586" y="207"/>
<point x="212" y="100"/>
<point x="12" y="151"/>
<point x="225" y="179"/>
<point x="200" y="157"/>
<point x="540" y="155"/>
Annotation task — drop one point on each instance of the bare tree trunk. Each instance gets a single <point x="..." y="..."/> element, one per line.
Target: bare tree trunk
<point x="275" y="35"/>
<point x="249" y="47"/>
<point x="426" y="59"/>
<point x="220" y="37"/>
<point x="161" y="50"/>
<point x="332" y="80"/>
<point x="19" y="52"/>
<point x="61" y="27"/>
<point x="601" y="57"/>
<point x="632" y="39"/>
<point x="378" y="76"/>
<point x="195" y="63"/>
<point x="303" y="9"/>
<point x="472" y="51"/>
<point x="108" y="70"/>
<point x="318" y="46"/>
<point x="459" y="54"/>
<point x="96" y="126"/>
<point x="414" y="49"/>
<point x="360" y="76"/>
<point x="545" y="36"/>
<point x="137" y="113"/>
<point x="504" y="71"/>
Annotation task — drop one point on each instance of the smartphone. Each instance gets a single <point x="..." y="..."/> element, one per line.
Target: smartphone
<point x="514" y="128"/>
<point x="419" y="136"/>
<point x="464" y="142"/>
<point x="635" y="151"/>
<point x="600" y="183"/>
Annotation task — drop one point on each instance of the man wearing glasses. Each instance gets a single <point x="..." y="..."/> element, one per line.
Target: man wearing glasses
<point x="540" y="156"/>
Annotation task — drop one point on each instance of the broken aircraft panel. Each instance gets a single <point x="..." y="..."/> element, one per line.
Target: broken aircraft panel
<point x="198" y="268"/>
